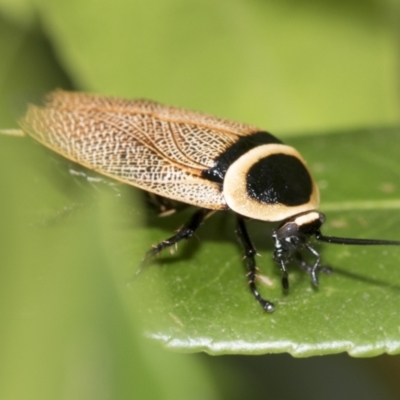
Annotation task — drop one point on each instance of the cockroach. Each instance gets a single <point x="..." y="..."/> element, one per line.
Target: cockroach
<point x="208" y="162"/>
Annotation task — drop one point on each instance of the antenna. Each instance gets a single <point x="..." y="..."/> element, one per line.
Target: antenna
<point x="339" y="240"/>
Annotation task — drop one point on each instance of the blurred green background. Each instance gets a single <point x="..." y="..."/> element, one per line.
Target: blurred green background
<point x="71" y="327"/>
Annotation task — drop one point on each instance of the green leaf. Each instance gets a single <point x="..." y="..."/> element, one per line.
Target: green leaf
<point x="206" y="305"/>
<point x="197" y="299"/>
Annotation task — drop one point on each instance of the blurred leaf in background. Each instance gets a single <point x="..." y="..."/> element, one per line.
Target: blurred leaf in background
<point x="71" y="326"/>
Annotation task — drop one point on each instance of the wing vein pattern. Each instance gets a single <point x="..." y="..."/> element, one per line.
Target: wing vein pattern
<point x="157" y="148"/>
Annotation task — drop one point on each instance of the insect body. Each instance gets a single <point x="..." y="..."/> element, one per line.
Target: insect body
<point x="208" y="162"/>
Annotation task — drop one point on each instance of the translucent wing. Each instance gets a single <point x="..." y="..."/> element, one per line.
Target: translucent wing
<point x="157" y="148"/>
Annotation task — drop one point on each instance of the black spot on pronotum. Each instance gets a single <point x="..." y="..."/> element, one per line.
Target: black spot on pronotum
<point x="279" y="178"/>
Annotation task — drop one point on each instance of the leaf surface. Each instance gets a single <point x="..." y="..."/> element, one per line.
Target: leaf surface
<point x="207" y="306"/>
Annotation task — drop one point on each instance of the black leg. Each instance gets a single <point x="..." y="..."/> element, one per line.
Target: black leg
<point x="250" y="252"/>
<point x="185" y="232"/>
<point x="285" y="277"/>
<point x="312" y="270"/>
